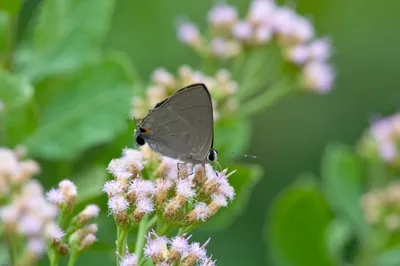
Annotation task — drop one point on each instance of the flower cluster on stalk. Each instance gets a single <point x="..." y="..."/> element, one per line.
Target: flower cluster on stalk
<point x="386" y="135"/>
<point x="163" y="84"/>
<point x="30" y="217"/>
<point x="163" y="251"/>
<point x="382" y="206"/>
<point x="180" y="195"/>
<point x="228" y="36"/>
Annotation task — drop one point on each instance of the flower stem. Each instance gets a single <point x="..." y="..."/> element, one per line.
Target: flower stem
<point x="152" y="222"/>
<point x="121" y="241"/>
<point x="268" y="98"/>
<point x="11" y="36"/>
<point x="72" y="257"/>
<point x="143" y="226"/>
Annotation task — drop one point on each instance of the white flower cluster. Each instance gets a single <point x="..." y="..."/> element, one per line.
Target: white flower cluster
<point x="382" y="206"/>
<point x="221" y="87"/>
<point x="386" y="133"/>
<point x="176" y="251"/>
<point x="29" y="219"/>
<point x="155" y="183"/>
<point x="265" y="22"/>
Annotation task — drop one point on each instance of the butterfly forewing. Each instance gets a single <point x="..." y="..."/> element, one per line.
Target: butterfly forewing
<point x="182" y="125"/>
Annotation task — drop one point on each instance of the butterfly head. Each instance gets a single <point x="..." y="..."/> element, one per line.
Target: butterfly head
<point x="140" y="136"/>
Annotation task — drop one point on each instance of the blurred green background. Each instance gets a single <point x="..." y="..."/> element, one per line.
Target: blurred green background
<point x="289" y="138"/>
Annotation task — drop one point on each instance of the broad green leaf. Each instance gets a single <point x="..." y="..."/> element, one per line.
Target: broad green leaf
<point x="67" y="33"/>
<point x="90" y="183"/>
<point x="243" y="180"/>
<point x="18" y="115"/>
<point x="4" y="17"/>
<point x="10" y="6"/>
<point x="342" y="183"/>
<point x="297" y="224"/>
<point x="15" y="90"/>
<point x="390" y="257"/>
<point x="232" y="135"/>
<point x="338" y="234"/>
<point x="18" y="123"/>
<point x="90" y="108"/>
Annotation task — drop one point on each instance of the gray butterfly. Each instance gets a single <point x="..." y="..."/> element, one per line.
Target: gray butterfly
<point x="181" y="126"/>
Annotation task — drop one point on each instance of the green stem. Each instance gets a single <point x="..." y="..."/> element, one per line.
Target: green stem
<point x="152" y="222"/>
<point x="141" y="236"/>
<point x="11" y="34"/>
<point x="121" y="240"/>
<point x="268" y="98"/>
<point x="55" y="259"/>
<point x="72" y="257"/>
<point x="12" y="250"/>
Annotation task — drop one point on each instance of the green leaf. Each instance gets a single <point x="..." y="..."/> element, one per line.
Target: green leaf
<point x="342" y="182"/>
<point x="232" y="135"/>
<point x="296" y="228"/>
<point x="90" y="183"/>
<point x="15" y="90"/>
<point x="67" y="33"/>
<point x="16" y="103"/>
<point x="390" y="257"/>
<point x="339" y="233"/>
<point x="89" y="108"/>
<point x="10" y="6"/>
<point x="243" y="180"/>
<point x="4" y="19"/>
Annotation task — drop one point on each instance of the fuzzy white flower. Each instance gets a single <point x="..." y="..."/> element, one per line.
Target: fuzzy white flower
<point x="184" y="187"/>
<point x="141" y="187"/>
<point x="219" y="200"/>
<point x="202" y="211"/>
<point x="222" y="15"/>
<point x="112" y="188"/>
<point x="155" y="246"/>
<point x="144" y="205"/>
<point x="179" y="244"/>
<point x="242" y="30"/>
<point x="188" y="32"/>
<point x="117" y="204"/>
<point x="55" y="196"/>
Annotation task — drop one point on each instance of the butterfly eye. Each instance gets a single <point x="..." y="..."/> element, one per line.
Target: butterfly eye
<point x="212" y="156"/>
<point x="140" y="141"/>
<point x="144" y="130"/>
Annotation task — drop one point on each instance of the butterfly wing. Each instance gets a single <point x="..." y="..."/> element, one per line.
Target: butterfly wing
<point x="181" y="126"/>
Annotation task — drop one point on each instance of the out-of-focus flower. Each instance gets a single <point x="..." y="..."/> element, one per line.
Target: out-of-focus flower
<point x="222" y="15"/>
<point x="382" y="206"/>
<point x="188" y="33"/>
<point x="385" y="133"/>
<point x="317" y="76"/>
<point x="221" y="87"/>
<point x="267" y="22"/>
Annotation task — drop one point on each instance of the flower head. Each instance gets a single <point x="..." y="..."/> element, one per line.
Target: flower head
<point x="144" y="205"/>
<point x="130" y="259"/>
<point x="318" y="77"/>
<point x="222" y="15"/>
<point x="184" y="187"/>
<point x="55" y="196"/>
<point x="112" y="188"/>
<point x="188" y="33"/>
<point x="117" y="204"/>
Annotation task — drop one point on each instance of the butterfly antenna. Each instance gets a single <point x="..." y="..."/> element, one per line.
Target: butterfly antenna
<point x="241" y="154"/>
